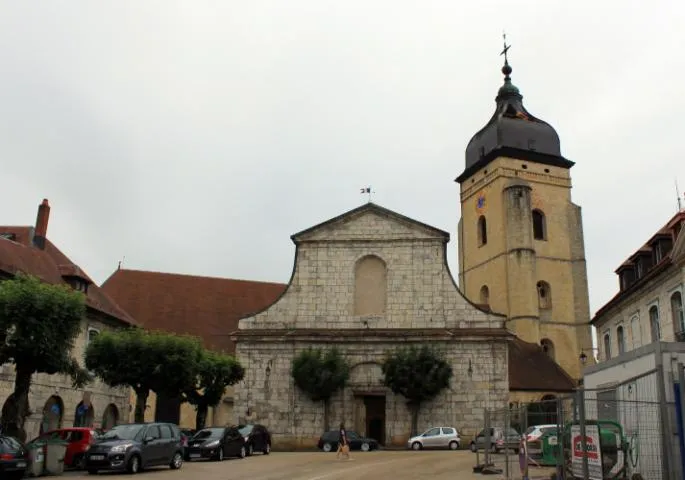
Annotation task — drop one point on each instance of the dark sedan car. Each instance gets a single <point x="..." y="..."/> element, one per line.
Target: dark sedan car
<point x="136" y="446"/>
<point x="257" y="438"/>
<point x="329" y="441"/>
<point x="14" y="458"/>
<point x="217" y="443"/>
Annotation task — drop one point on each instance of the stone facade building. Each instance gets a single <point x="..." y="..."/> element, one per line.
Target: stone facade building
<point x="648" y="307"/>
<point x="205" y="307"/>
<point x="52" y="400"/>
<point x="521" y="248"/>
<point x="367" y="282"/>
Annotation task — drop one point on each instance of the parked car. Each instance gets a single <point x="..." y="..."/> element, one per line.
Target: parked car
<point x="79" y="439"/>
<point x="257" y="438"/>
<point x="328" y="442"/>
<point x="135" y="446"/>
<point x="436" y="437"/>
<point x="217" y="443"/>
<point x="536" y="431"/>
<point x="14" y="458"/>
<point x="498" y="440"/>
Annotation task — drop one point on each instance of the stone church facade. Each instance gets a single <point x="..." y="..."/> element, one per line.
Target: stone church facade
<point x="367" y="282"/>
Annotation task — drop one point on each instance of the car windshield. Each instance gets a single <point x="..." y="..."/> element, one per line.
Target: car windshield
<point x="209" y="433"/>
<point x="352" y="435"/>
<point x="124" y="432"/>
<point x="530" y="430"/>
<point x="245" y="429"/>
<point x="9" y="444"/>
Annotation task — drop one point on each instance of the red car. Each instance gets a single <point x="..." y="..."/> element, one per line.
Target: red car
<point x="80" y="440"/>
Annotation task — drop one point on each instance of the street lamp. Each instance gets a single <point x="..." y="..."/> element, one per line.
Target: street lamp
<point x="583" y="355"/>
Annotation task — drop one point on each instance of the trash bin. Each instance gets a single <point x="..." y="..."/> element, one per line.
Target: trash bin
<point x="55" y="450"/>
<point x="550" y="449"/>
<point x="36" y="459"/>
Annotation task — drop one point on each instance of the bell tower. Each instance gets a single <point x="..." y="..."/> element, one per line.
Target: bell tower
<point x="521" y="248"/>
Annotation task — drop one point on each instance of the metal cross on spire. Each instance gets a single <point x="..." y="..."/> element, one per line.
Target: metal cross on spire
<point x="505" y="51"/>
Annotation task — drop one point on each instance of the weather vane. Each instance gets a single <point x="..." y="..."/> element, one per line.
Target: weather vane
<point x="505" y="51"/>
<point x="366" y="190"/>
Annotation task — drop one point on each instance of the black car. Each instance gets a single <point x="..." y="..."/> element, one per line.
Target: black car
<point x="135" y="446"/>
<point x="14" y="458"/>
<point x="329" y="441"/>
<point x="257" y="438"/>
<point x="217" y="443"/>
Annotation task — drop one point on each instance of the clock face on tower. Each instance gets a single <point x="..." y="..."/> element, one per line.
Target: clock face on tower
<point x="481" y="203"/>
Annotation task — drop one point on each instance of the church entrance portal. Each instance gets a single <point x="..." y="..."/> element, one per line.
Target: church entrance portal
<point x="375" y="417"/>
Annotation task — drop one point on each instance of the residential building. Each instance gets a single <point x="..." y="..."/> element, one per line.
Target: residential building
<point x="649" y="304"/>
<point x="205" y="307"/>
<point x="52" y="400"/>
<point x="521" y="247"/>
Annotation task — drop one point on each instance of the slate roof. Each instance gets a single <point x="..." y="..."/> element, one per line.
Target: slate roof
<point x="18" y="254"/>
<point x="206" y="307"/>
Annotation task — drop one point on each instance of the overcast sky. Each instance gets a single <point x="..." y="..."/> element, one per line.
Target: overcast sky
<point x="196" y="137"/>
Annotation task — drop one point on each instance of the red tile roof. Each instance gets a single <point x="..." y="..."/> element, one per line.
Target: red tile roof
<point x="20" y="255"/>
<point x="531" y="369"/>
<point x="206" y="307"/>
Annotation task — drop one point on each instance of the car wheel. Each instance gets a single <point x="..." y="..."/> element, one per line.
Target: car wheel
<point x="267" y="449"/>
<point x="454" y="445"/>
<point x="80" y="463"/>
<point x="133" y="466"/>
<point x="416" y="446"/>
<point x="327" y="447"/>
<point x="220" y="455"/>
<point x="176" y="461"/>
<point x="243" y="452"/>
<point x="365" y="447"/>
<point x="474" y="449"/>
<point x="250" y="450"/>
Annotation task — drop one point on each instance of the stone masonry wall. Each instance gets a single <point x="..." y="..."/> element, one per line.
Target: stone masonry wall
<point x="45" y="386"/>
<point x="296" y="422"/>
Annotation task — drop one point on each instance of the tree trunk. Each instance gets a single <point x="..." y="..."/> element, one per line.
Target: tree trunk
<point x="17" y="409"/>
<point x="326" y="420"/>
<point x="141" y="401"/>
<point x="201" y="416"/>
<point x="414" y="410"/>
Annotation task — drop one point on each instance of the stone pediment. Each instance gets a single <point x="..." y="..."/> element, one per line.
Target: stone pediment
<point x="370" y="222"/>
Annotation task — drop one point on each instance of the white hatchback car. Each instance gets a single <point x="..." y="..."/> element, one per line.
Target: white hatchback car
<point x="436" y="437"/>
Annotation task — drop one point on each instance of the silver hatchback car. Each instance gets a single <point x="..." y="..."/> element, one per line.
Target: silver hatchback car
<point x="436" y="437"/>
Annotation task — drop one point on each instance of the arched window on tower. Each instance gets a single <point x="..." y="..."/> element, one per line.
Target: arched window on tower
<point x="482" y="231"/>
<point x="677" y="315"/>
<point x="484" y="295"/>
<point x="620" y="340"/>
<point x="544" y="295"/>
<point x="654" y="323"/>
<point x="370" y="286"/>
<point x="547" y="347"/>
<point x="607" y="346"/>
<point x="539" y="225"/>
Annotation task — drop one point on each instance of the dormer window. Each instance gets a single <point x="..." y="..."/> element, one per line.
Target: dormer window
<point x="639" y="269"/>
<point x="78" y="284"/>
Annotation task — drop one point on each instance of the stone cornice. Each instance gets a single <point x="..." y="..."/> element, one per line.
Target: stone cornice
<point x="371" y="335"/>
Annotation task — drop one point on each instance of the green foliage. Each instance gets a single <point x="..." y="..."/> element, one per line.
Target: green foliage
<point x="216" y="371"/>
<point x="40" y="323"/>
<point x="162" y="362"/>
<point x="320" y="374"/>
<point x="416" y="373"/>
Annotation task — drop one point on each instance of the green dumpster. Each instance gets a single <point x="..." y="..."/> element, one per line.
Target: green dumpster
<point x="549" y="443"/>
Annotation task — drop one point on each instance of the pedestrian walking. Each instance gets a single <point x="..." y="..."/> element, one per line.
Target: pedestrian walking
<point x="343" y="444"/>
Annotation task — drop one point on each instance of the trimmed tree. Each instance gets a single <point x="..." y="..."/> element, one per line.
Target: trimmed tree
<point x="418" y="374"/>
<point x="39" y="324"/>
<point x="320" y="374"/>
<point x="145" y="361"/>
<point x="216" y="371"/>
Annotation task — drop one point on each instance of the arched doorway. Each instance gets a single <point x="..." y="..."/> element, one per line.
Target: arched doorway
<point x="543" y="412"/>
<point x="84" y="415"/>
<point x="9" y="426"/>
<point x="111" y="417"/>
<point x="53" y="411"/>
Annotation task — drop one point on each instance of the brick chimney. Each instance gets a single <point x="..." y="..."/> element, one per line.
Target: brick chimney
<point x="41" y="230"/>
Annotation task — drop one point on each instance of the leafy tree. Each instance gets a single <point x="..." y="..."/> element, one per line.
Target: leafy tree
<point x="39" y="323"/>
<point x="145" y="361"/>
<point x="216" y="371"/>
<point x="418" y="374"/>
<point x="320" y="374"/>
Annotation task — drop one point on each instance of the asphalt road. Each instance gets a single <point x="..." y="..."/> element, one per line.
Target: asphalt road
<point x="319" y="466"/>
<point x="379" y="465"/>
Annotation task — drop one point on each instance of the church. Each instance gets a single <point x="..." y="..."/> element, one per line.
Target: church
<point x="371" y="280"/>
